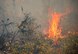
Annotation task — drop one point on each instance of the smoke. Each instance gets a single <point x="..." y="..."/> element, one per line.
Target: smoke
<point x="69" y="22"/>
<point x="39" y="10"/>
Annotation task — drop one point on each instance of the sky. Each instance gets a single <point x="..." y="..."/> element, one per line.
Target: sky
<point x="39" y="10"/>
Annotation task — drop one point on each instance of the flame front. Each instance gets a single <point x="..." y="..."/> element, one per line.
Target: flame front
<point x="54" y="28"/>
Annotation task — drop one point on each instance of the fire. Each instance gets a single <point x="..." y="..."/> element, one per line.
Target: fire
<point x="55" y="30"/>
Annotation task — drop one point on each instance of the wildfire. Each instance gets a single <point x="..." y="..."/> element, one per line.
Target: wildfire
<point x="54" y="30"/>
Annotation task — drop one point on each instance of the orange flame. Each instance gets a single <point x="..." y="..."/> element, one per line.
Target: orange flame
<point x="55" y="29"/>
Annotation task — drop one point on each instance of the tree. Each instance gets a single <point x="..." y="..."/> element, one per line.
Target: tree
<point x="5" y="35"/>
<point x="28" y="27"/>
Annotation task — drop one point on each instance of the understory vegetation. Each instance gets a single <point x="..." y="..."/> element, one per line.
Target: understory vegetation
<point x="29" y="40"/>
